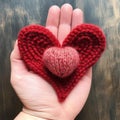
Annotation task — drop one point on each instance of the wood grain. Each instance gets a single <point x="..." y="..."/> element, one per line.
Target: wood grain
<point x="104" y="99"/>
<point x="106" y="78"/>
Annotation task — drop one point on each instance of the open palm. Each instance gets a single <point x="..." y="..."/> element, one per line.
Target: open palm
<point x="37" y="95"/>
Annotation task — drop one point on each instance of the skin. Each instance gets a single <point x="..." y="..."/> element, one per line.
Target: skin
<point x="38" y="97"/>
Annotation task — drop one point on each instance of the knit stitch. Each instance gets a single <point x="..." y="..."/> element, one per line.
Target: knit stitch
<point x="61" y="61"/>
<point x="61" y="65"/>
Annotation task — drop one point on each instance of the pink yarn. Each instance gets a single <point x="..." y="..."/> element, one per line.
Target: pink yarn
<point x="61" y="61"/>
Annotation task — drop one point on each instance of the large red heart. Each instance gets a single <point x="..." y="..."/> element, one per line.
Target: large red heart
<point x="87" y="39"/>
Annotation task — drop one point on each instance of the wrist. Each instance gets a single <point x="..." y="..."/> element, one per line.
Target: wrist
<point x="27" y="114"/>
<point x="24" y="116"/>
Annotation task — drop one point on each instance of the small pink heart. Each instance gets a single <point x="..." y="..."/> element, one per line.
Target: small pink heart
<point x="61" y="61"/>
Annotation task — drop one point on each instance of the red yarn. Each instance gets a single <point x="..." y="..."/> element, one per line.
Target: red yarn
<point x="86" y="39"/>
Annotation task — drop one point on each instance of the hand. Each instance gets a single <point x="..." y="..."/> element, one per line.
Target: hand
<point x="38" y="97"/>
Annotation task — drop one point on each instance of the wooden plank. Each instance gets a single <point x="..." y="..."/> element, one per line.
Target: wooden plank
<point x="105" y="13"/>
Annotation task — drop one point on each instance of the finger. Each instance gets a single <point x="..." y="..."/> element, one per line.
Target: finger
<point x="77" y="17"/>
<point x="65" y="22"/>
<point x="17" y="65"/>
<point x="79" y="94"/>
<point x="53" y="19"/>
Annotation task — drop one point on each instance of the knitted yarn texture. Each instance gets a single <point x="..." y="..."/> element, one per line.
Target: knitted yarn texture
<point x="61" y="61"/>
<point x="61" y="65"/>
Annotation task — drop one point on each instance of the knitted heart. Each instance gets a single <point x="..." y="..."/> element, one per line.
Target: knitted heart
<point x="35" y="42"/>
<point x="61" y="61"/>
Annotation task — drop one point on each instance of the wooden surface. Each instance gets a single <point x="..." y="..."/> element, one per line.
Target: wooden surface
<point x="104" y="99"/>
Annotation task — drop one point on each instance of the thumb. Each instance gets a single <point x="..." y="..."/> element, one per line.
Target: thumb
<point x="17" y="65"/>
